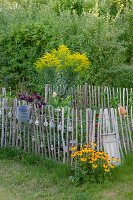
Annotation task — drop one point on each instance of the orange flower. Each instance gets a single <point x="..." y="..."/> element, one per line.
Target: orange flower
<point x="106" y="170"/>
<point x="73" y="148"/>
<point x="117" y="160"/>
<point x="112" y="158"/>
<point x="83" y="159"/>
<point x="94" y="165"/>
<point x="106" y="155"/>
<point x="112" y="166"/>
<point x="105" y="166"/>
<point x="93" y="144"/>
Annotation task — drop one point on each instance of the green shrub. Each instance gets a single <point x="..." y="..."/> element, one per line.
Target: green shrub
<point x="27" y="33"/>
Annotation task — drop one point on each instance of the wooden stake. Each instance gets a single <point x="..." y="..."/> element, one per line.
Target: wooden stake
<point x="62" y="136"/>
<point x="81" y="123"/>
<point x="2" y="135"/>
<point x="54" y="133"/>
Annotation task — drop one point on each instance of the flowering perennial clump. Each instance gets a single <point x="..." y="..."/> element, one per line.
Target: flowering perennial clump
<point x="65" y="66"/>
<point x="34" y="98"/>
<point x="62" y="58"/>
<point x="91" y="164"/>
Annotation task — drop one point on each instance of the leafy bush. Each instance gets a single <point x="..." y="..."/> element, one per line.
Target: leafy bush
<point x="27" y="33"/>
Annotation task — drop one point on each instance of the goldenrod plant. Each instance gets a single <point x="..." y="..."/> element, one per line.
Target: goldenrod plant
<point x="67" y="66"/>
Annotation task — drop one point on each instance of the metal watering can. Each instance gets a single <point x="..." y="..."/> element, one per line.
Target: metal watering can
<point x="23" y="113"/>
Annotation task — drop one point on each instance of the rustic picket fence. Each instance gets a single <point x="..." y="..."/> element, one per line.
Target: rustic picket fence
<point x="95" y="97"/>
<point x="52" y="132"/>
<point x="87" y="96"/>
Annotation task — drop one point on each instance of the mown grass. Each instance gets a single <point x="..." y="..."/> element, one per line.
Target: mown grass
<point x="29" y="177"/>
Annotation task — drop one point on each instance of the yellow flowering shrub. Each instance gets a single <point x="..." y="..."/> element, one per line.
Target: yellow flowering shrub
<point x="62" y="61"/>
<point x="91" y="165"/>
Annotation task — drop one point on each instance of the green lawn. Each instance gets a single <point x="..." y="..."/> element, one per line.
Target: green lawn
<point x="50" y="181"/>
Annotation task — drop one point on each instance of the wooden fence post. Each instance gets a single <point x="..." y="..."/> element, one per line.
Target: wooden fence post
<point x="2" y="134"/>
<point x="62" y="136"/>
<point x="46" y="92"/>
<point x="14" y="121"/>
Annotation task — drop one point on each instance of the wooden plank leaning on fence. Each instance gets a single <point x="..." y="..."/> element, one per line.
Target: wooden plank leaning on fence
<point x="87" y="126"/>
<point x="90" y="125"/>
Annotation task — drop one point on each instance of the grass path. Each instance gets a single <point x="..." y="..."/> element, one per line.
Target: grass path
<point x="32" y="182"/>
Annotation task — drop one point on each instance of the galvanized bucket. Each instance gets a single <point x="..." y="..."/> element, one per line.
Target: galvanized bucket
<point x="23" y="114"/>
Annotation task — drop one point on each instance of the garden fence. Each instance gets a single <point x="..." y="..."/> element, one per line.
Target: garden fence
<point x="87" y="96"/>
<point x="52" y="132"/>
<point x="94" y="97"/>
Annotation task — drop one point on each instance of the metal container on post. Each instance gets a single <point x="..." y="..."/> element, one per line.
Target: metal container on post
<point x="23" y="114"/>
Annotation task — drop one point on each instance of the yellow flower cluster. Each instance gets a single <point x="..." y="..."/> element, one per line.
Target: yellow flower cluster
<point x="97" y="159"/>
<point x="62" y="59"/>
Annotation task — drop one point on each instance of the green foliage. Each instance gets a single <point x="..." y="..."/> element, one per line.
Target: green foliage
<point x="18" y="155"/>
<point x="56" y="102"/>
<point x="101" y="29"/>
<point x="114" y="102"/>
<point x="120" y="77"/>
